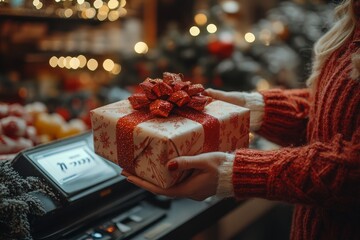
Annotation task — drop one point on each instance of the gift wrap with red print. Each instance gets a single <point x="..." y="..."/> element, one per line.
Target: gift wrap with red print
<point x="142" y="143"/>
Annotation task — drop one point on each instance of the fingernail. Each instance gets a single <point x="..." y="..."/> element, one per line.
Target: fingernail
<point x="129" y="180"/>
<point x="173" y="165"/>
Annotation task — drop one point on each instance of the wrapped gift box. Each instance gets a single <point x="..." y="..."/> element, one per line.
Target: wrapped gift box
<point x="151" y="143"/>
<point x="142" y="143"/>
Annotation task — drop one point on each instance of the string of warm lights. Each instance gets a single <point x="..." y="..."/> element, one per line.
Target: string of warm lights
<point x="101" y="10"/>
<point x="81" y="61"/>
<point x="92" y="64"/>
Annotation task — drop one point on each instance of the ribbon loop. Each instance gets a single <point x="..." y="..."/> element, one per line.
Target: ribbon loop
<point x="160" y="96"/>
<point x="161" y="107"/>
<point x="162" y="90"/>
<point x="172" y="77"/>
<point x="180" y="98"/>
<point x="139" y="100"/>
<point x="199" y="102"/>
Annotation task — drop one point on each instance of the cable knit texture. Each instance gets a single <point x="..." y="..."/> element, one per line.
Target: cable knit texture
<point x="318" y="168"/>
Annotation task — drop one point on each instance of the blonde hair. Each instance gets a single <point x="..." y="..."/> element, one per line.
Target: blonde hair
<point x="334" y="38"/>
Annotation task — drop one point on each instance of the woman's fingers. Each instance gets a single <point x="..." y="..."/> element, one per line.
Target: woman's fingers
<point x="185" y="163"/>
<point x="170" y="192"/>
<point x="125" y="173"/>
<point x="145" y="185"/>
<point x="236" y="98"/>
<point x="201" y="161"/>
<point x="201" y="183"/>
<point x="217" y="94"/>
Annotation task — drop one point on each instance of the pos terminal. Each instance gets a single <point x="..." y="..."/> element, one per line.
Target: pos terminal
<point x="88" y="191"/>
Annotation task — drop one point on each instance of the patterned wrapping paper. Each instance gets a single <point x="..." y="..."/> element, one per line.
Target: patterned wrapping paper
<point x="142" y="143"/>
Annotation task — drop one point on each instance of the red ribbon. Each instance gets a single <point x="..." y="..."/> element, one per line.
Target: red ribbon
<point x="210" y="124"/>
<point x="125" y="138"/>
<point x="126" y="125"/>
<point x="160" y="96"/>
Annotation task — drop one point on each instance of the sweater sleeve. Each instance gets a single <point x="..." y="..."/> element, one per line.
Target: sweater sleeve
<point x="255" y="102"/>
<point x="225" y="187"/>
<point x="285" y="116"/>
<point x="323" y="174"/>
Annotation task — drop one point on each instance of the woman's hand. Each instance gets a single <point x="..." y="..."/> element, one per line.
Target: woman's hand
<point x="237" y="98"/>
<point x="201" y="184"/>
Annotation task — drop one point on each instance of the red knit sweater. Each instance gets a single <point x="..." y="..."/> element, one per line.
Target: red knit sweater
<point x="318" y="169"/>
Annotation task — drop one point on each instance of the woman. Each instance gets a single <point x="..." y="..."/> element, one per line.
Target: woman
<point x="318" y="167"/>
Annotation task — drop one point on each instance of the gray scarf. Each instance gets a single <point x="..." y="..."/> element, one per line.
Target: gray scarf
<point x="16" y="204"/>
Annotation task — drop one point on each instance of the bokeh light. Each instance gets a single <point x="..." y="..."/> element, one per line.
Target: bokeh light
<point x="92" y="64"/>
<point x="53" y="61"/>
<point x="200" y="19"/>
<point x="211" y="28"/>
<point x="194" y="31"/>
<point x="249" y="37"/>
<point x="108" y="65"/>
<point x="141" y="48"/>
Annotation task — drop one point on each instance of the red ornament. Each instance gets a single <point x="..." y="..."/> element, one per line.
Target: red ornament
<point x="64" y="112"/>
<point x="13" y="126"/>
<point x="222" y="50"/>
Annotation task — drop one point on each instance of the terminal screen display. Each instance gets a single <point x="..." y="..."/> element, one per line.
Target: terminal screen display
<point x="74" y="167"/>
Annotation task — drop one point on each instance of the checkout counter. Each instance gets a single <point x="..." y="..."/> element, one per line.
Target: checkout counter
<point x="93" y="201"/>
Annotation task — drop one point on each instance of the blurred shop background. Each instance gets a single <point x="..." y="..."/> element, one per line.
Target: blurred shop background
<point x="61" y="58"/>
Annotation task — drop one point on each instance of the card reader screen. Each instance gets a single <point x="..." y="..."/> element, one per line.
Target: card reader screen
<point x="74" y="167"/>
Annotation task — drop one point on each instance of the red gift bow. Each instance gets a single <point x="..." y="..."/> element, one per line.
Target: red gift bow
<point x="162" y="95"/>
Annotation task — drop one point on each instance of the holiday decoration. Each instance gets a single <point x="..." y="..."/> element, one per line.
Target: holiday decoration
<point x="168" y="118"/>
<point x="25" y="126"/>
<point x="16" y="130"/>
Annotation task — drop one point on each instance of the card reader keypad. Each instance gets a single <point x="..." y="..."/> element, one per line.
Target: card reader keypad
<point x="125" y="224"/>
